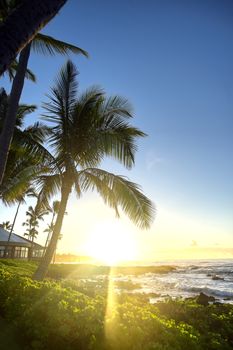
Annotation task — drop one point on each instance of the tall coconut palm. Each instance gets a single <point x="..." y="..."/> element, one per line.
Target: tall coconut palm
<point x="26" y="153"/>
<point x="50" y="227"/>
<point x="6" y="225"/>
<point x="87" y="128"/>
<point x="29" y="193"/>
<point x="22" y="24"/>
<point x="25" y="157"/>
<point x="55" y="252"/>
<point x="35" y="215"/>
<point x="54" y="210"/>
<point x="43" y="44"/>
<point x="49" y="230"/>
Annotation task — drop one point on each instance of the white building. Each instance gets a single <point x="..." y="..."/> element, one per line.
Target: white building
<point x="18" y="247"/>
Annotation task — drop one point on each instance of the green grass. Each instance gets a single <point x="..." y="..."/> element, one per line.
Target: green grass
<point x="21" y="268"/>
<point x="59" y="271"/>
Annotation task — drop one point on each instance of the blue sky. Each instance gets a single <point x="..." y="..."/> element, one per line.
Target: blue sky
<point x="174" y="61"/>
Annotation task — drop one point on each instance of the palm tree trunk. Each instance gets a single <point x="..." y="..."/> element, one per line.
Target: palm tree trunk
<point x="54" y="255"/>
<point x="48" y="235"/>
<point x="32" y="247"/>
<point x="9" y="123"/>
<point x="46" y="243"/>
<point x="42" y="269"/>
<point x="12" y="227"/>
<point x="22" y="25"/>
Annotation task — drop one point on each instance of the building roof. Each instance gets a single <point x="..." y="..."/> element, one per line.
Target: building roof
<point x="16" y="240"/>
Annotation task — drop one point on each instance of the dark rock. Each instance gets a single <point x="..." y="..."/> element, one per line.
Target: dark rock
<point x="217" y="278"/>
<point x="204" y="299"/>
<point x="153" y="295"/>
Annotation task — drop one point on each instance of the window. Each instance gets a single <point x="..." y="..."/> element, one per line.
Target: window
<point x="2" y="251"/>
<point x="37" y="253"/>
<point x="21" y="252"/>
<point x="6" y="254"/>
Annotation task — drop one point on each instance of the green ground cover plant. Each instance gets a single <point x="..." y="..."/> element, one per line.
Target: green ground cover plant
<point x="22" y="268"/>
<point x="70" y="314"/>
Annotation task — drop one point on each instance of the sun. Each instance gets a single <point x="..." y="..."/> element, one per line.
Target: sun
<point x="111" y="243"/>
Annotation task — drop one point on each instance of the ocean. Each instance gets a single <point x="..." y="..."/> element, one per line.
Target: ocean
<point x="212" y="277"/>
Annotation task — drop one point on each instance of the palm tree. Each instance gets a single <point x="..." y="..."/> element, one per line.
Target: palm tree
<point x="43" y="44"/>
<point x="54" y="209"/>
<point x="25" y="157"/>
<point x="55" y="252"/>
<point x="22" y="24"/>
<point x="50" y="227"/>
<point x="35" y="215"/>
<point x="31" y="231"/>
<point x="29" y="193"/>
<point x="26" y="153"/>
<point x="11" y="71"/>
<point x="49" y="230"/>
<point x="6" y="225"/>
<point x="86" y="129"/>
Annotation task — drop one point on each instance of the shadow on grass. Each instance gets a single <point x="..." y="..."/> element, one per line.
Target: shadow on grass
<point x="8" y="336"/>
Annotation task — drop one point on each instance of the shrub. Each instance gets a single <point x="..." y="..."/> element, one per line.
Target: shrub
<point x="66" y="315"/>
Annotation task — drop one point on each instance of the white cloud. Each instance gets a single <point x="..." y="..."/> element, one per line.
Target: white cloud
<point x="152" y="160"/>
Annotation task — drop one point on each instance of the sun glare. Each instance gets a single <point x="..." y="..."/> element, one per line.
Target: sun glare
<point x="111" y="243"/>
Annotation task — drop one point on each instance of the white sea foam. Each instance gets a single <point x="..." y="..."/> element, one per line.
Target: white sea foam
<point x="214" y="278"/>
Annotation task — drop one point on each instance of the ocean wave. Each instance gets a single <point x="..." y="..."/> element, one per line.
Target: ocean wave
<point x="211" y="291"/>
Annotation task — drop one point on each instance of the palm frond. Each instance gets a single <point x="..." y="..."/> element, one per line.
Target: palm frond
<point x="11" y="71"/>
<point x="84" y="129"/>
<point x="30" y="75"/>
<point x="15" y="187"/>
<point x="56" y="206"/>
<point x="38" y="132"/>
<point x="117" y="105"/>
<point x="117" y="191"/>
<point x="63" y="95"/>
<point x="31" y="140"/>
<point x="59" y="111"/>
<point x="23" y="110"/>
<point x="49" y="46"/>
<point x="47" y="187"/>
<point x="4" y="10"/>
<point x="119" y="141"/>
<point x="118" y="137"/>
<point x="90" y="100"/>
<point x="6" y="6"/>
